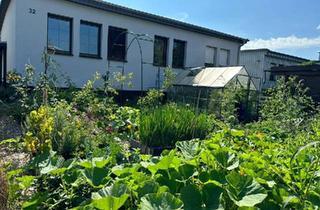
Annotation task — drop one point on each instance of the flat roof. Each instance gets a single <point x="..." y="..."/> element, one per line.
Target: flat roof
<point x="114" y="8"/>
<point x="298" y="68"/>
<point x="276" y="53"/>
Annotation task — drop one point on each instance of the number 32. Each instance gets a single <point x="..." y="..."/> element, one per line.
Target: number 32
<point x="32" y="11"/>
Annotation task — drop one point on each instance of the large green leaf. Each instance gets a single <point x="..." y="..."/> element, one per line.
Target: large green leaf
<point x="96" y="172"/>
<point x="147" y="187"/>
<point x="211" y="196"/>
<point x="25" y="181"/>
<point x="191" y="197"/>
<point x="116" y="190"/>
<point x="35" y="202"/>
<point x="189" y="149"/>
<point x="244" y="191"/>
<point x="160" y="201"/>
<point x="52" y="165"/>
<point x="186" y="171"/>
<point x="166" y="162"/>
<point x="110" y="198"/>
<point x="225" y="159"/>
<point x="109" y="203"/>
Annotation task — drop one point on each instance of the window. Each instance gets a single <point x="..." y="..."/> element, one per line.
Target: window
<point x="117" y="41"/>
<point x="272" y="77"/>
<point x="60" y="34"/>
<point x="160" y="51"/>
<point x="90" y="39"/>
<point x="179" y="48"/>
<point x="211" y="56"/>
<point x="224" y="57"/>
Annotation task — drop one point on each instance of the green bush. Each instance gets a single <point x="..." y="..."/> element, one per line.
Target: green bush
<point x="232" y="170"/>
<point x="166" y="125"/>
<point x="288" y="104"/>
<point x="287" y="111"/>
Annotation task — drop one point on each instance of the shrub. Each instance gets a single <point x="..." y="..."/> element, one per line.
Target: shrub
<point x="168" y="124"/>
<point x="70" y="132"/>
<point x="287" y="106"/>
<point x="39" y="127"/>
<point x="152" y="99"/>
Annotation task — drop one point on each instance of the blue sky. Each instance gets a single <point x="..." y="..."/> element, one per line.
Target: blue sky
<point x="288" y="26"/>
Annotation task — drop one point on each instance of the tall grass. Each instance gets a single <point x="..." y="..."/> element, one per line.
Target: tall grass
<point x="164" y="126"/>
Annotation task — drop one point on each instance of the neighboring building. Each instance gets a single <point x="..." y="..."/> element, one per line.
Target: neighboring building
<point x="258" y="63"/>
<point x="92" y="35"/>
<point x="308" y="74"/>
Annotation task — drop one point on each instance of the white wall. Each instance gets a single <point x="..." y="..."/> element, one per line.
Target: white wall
<point x="258" y="62"/>
<point x="31" y="39"/>
<point x="254" y="63"/>
<point x="8" y="34"/>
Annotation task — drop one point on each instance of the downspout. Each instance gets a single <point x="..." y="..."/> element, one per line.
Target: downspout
<point x="238" y="58"/>
<point x="239" y="49"/>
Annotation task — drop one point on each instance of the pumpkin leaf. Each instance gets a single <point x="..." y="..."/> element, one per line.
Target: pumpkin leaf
<point x="160" y="201"/>
<point x="244" y="191"/>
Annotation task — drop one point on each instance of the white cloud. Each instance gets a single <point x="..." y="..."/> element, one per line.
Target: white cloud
<point x="181" y="16"/>
<point x="318" y="28"/>
<point x="290" y="42"/>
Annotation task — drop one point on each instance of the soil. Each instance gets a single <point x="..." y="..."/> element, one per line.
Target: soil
<point x="9" y="154"/>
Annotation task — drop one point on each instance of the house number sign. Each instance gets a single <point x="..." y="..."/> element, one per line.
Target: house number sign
<point x="32" y="11"/>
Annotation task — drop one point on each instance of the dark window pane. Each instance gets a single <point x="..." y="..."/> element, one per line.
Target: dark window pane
<point x="90" y="38"/>
<point x="179" y="48"/>
<point x="59" y="33"/>
<point x="117" y="40"/>
<point x="160" y="51"/>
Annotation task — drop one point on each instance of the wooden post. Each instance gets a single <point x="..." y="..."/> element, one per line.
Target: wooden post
<point x="248" y="93"/>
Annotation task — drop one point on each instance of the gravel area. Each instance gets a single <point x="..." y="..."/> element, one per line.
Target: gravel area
<point x="9" y="154"/>
<point x="9" y="128"/>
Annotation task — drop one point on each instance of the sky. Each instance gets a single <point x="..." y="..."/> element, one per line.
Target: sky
<point x="287" y="26"/>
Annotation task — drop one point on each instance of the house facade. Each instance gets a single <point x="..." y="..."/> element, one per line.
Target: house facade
<point x="259" y="62"/>
<point x="88" y="36"/>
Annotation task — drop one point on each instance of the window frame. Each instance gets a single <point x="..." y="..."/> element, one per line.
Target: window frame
<point x="184" y="54"/>
<point x="165" y="51"/>
<point x="99" y="26"/>
<point x="228" y="56"/>
<point x="215" y="57"/>
<point x="124" y="59"/>
<point x="64" y="18"/>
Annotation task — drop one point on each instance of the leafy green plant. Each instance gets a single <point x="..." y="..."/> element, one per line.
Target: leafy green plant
<point x="39" y="126"/>
<point x="287" y="106"/>
<point x="232" y="170"/>
<point x="168" y="124"/>
<point x="34" y="90"/>
<point x="153" y="99"/>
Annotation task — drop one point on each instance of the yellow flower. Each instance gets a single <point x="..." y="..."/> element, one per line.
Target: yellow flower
<point x="260" y="135"/>
<point x="130" y="127"/>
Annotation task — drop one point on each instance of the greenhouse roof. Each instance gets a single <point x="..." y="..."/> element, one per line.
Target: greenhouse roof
<point x="212" y="77"/>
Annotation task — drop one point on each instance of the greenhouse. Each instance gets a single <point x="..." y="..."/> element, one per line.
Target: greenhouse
<point x="204" y="87"/>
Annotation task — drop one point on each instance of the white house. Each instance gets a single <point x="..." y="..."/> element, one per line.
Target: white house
<point x="88" y="36"/>
<point x="259" y="62"/>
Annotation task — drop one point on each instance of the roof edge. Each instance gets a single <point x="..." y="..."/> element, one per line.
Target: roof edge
<point x="277" y="53"/>
<point x="114" y="8"/>
<point x="106" y="6"/>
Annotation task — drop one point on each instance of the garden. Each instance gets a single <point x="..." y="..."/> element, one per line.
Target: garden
<point x="84" y="151"/>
